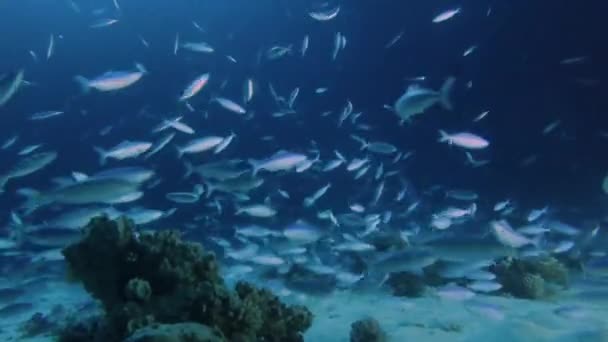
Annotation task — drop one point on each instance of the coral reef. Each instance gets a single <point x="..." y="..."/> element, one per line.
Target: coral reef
<point x="536" y="278"/>
<point x="179" y="332"/>
<point x="406" y="284"/>
<point x="149" y="278"/>
<point x="367" y="330"/>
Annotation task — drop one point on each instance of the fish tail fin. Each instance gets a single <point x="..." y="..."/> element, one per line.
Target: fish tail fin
<point x="443" y="136"/>
<point x="189" y="169"/>
<point x="537" y="241"/>
<point x="83" y="83"/>
<point x="445" y="93"/>
<point x="472" y="209"/>
<point x="210" y="188"/>
<point x="33" y="199"/>
<point x="3" y="181"/>
<point x="255" y="165"/>
<point x="103" y="155"/>
<point x="17" y="234"/>
<point x="199" y="189"/>
<point x="308" y="202"/>
<point x="141" y="68"/>
<point x="180" y="152"/>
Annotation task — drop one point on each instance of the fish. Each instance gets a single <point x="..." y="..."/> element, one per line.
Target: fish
<point x="462" y="195"/>
<point x="267" y="260"/>
<point x="394" y="40"/>
<point x="325" y="14"/>
<point x="133" y="174"/>
<point x="304" y="46"/>
<point x="574" y="60"/>
<point x="507" y="236"/>
<point x="256" y="231"/>
<point x="454" y="292"/>
<point x="125" y="150"/>
<point x="469" y="51"/>
<point x="199" y="145"/>
<point x="464" y="139"/>
<point x="446" y="15"/>
<point x="533" y="229"/>
<point x="75" y="219"/>
<point x="354" y="246"/>
<point x="92" y="191"/>
<point x="51" y="47"/>
<point x="277" y="52"/>
<point x="198" y="47"/>
<point x="186" y="197"/>
<point x="561" y="228"/>
<point x="45" y="115"/>
<point x="10" y="142"/>
<point x="52" y="237"/>
<point x="141" y="216"/>
<point x="502" y="205"/>
<point x="416" y="100"/>
<point x="159" y="145"/>
<point x="9" y="85"/>
<point x="236" y="186"/>
<point x="103" y="22"/>
<point x="176" y="44"/>
<point x="302" y="233"/>
<point x="248" y="91"/>
<point x="224" y="144"/>
<point x="27" y="166"/>
<point x="481" y="116"/>
<point x="175" y="123"/>
<point x="562" y="247"/>
<point x="312" y="199"/>
<point x="280" y="161"/>
<point x="29" y="149"/>
<point x="194" y="87"/>
<point x="220" y="170"/>
<point x="410" y="261"/>
<point x="256" y="210"/>
<point x="535" y="214"/>
<point x="111" y="80"/>
<point x="356" y="164"/>
<point x="484" y="286"/>
<point x="550" y="127"/>
<point x="230" y="105"/>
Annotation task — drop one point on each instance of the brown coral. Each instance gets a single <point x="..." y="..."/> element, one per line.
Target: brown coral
<point x="367" y="330"/>
<point x="531" y="278"/>
<point x="157" y="278"/>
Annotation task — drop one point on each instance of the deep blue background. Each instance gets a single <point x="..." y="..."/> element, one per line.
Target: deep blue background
<point x="516" y="74"/>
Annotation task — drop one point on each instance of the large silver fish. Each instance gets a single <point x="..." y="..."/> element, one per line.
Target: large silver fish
<point x="90" y="191"/>
<point x="27" y="166"/>
<point x="416" y="100"/>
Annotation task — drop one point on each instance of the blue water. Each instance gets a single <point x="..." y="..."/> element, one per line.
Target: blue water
<point x="515" y="74"/>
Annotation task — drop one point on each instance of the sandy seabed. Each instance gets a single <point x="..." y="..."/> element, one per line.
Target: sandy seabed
<point x="405" y="319"/>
